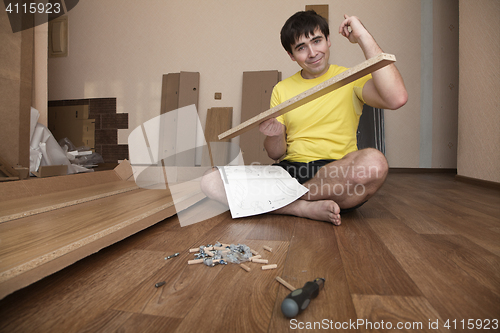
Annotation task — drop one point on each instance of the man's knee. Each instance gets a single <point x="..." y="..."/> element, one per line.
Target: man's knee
<point x="373" y="167"/>
<point x="379" y="163"/>
<point x="210" y="183"/>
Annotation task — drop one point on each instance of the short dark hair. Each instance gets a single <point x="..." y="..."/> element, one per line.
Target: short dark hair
<point x="302" y="23"/>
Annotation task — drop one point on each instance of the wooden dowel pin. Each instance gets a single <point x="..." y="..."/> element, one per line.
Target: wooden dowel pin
<point x="245" y="267"/>
<point x="286" y="284"/>
<point x="267" y="248"/>
<point x="260" y="261"/>
<point x="273" y="266"/>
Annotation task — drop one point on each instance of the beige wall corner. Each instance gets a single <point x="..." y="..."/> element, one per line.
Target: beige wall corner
<point x="479" y="115"/>
<point x="445" y="84"/>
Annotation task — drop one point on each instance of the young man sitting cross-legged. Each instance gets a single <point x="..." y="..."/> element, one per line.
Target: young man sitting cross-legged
<point x="317" y="141"/>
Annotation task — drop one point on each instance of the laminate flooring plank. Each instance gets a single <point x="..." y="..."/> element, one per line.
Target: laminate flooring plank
<point x="273" y="227"/>
<point x="75" y="301"/>
<point x="376" y="209"/>
<point x="428" y="202"/>
<point x="147" y="323"/>
<point x="185" y="283"/>
<point x="485" y="200"/>
<point x="202" y="211"/>
<point x="451" y="291"/>
<point x="237" y="300"/>
<point x="314" y="253"/>
<point x="470" y="257"/>
<point x="107" y="321"/>
<point x="463" y="221"/>
<point x="370" y="267"/>
<point x="172" y="238"/>
<point x="385" y="313"/>
<point x="420" y="223"/>
<point x="24" y="207"/>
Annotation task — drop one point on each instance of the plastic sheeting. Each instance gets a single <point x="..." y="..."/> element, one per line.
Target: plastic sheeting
<point x="44" y="149"/>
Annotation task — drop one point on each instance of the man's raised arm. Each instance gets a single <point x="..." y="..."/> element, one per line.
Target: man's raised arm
<point x="386" y="90"/>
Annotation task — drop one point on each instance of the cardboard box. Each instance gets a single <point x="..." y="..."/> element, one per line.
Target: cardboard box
<point x="51" y="170"/>
<point x="72" y="122"/>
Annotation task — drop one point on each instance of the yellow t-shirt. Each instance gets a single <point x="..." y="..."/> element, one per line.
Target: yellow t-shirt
<point x="324" y="128"/>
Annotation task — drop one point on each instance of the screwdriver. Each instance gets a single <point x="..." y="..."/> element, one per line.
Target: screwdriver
<point x="298" y="300"/>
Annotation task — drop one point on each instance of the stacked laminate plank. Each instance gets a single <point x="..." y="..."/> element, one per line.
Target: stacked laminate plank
<point x="48" y="224"/>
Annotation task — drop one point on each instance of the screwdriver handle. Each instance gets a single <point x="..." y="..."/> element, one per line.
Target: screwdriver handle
<point x="299" y="299"/>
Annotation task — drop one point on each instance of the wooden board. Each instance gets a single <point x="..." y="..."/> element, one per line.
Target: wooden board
<point x="169" y="92"/>
<point x="24" y="207"/>
<point x="321" y="89"/>
<point x="218" y="119"/>
<point x="46" y="230"/>
<point x="256" y="98"/>
<point x="321" y="10"/>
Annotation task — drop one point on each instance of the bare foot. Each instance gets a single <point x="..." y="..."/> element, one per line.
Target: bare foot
<point x="321" y="210"/>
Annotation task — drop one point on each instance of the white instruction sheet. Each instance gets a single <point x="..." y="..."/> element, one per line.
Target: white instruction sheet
<point x="257" y="189"/>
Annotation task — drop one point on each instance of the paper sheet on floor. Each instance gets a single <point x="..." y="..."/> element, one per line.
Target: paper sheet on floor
<point x="258" y="189"/>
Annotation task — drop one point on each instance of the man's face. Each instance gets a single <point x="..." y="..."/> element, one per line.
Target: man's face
<point x="312" y="54"/>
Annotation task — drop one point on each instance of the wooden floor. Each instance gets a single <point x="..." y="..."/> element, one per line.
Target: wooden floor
<point x="426" y="248"/>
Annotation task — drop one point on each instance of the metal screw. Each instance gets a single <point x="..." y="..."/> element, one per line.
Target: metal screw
<point x="172" y="256"/>
<point x="159" y="284"/>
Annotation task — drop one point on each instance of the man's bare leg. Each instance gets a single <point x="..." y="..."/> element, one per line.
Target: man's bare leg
<point x="321" y="210"/>
<point x="351" y="180"/>
<point x="344" y="184"/>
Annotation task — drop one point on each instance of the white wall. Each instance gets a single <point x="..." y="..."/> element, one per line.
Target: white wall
<point x="122" y="48"/>
<point x="479" y="110"/>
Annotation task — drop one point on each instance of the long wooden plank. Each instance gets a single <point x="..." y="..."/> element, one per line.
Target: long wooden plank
<point x="19" y="208"/>
<point x="72" y="233"/>
<point x="255" y="98"/>
<point x="338" y="81"/>
<point x="218" y="119"/>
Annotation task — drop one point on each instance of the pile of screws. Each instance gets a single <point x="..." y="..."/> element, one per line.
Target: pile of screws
<point x="221" y="254"/>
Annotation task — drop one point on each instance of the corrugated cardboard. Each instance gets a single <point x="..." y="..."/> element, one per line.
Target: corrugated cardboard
<point x="51" y="170"/>
<point x="72" y="122"/>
